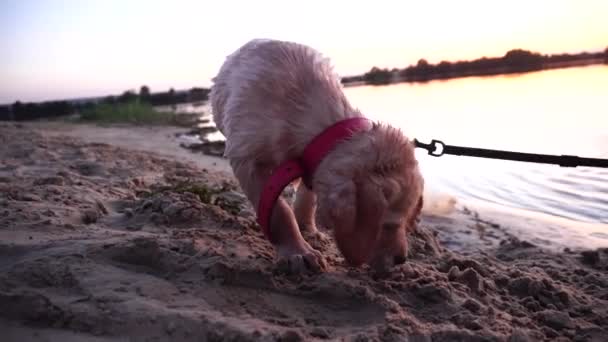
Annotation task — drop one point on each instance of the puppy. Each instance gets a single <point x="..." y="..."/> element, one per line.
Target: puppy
<point x="270" y="99"/>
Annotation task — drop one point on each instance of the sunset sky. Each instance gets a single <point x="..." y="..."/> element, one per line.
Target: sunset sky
<point x="78" y="48"/>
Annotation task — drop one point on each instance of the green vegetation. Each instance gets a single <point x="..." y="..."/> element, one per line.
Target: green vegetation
<point x="127" y="105"/>
<point x="130" y="112"/>
<point x="206" y="194"/>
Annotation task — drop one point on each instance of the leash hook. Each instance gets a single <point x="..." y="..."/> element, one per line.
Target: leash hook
<point x="435" y="147"/>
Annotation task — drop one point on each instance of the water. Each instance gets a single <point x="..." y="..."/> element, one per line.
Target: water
<point x="555" y="112"/>
<point x="561" y="111"/>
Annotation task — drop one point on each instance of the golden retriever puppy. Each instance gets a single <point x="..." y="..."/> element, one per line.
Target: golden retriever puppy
<point x="270" y="99"/>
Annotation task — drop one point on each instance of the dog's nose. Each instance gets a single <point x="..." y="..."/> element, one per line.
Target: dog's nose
<point x="399" y="259"/>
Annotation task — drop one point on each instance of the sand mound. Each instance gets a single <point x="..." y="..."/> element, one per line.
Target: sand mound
<point x="100" y="243"/>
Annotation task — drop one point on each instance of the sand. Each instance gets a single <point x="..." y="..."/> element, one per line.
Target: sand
<point x="104" y="238"/>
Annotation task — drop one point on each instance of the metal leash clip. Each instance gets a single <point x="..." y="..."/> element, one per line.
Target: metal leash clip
<point x="432" y="147"/>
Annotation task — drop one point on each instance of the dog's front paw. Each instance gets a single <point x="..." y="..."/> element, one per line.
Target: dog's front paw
<point x="300" y="259"/>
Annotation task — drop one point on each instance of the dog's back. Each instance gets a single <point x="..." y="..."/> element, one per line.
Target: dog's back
<point x="270" y="97"/>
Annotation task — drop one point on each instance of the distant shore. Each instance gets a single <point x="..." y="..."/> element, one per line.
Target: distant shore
<point x="514" y="61"/>
<point x="354" y="81"/>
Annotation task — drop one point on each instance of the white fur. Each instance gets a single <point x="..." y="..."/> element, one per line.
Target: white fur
<point x="270" y="99"/>
<point x="300" y="96"/>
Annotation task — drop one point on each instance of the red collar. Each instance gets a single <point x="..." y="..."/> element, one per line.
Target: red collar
<point x="305" y="166"/>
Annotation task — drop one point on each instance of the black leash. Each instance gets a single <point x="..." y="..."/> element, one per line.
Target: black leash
<point x="437" y="148"/>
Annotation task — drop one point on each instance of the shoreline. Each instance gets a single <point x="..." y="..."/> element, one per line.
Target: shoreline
<point x="580" y="235"/>
<point x="170" y="142"/>
<point x="162" y="140"/>
<point x="358" y="80"/>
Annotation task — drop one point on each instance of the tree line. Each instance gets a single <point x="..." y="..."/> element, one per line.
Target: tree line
<point x="20" y="111"/>
<point x="516" y="60"/>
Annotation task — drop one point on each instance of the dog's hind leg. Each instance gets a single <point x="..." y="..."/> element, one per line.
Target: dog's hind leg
<point x="304" y="209"/>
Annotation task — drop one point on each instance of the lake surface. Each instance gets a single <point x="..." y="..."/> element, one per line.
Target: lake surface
<point x="561" y="111"/>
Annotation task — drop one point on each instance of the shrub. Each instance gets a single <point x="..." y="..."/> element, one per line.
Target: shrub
<point x="129" y="112"/>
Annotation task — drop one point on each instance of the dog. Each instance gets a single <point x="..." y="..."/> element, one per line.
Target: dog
<point x="269" y="99"/>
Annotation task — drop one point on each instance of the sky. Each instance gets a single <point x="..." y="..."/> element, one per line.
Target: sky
<point x="56" y="49"/>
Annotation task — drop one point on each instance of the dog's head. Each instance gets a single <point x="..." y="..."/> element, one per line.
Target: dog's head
<point x="377" y="202"/>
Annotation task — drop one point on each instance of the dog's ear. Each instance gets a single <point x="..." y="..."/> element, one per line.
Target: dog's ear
<point x="356" y="216"/>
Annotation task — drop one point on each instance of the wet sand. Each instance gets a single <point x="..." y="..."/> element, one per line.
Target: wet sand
<point x="103" y="237"/>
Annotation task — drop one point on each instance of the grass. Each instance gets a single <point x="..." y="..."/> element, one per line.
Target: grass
<point x="205" y="193"/>
<point x="202" y="191"/>
<point x="131" y="112"/>
<point x="208" y="195"/>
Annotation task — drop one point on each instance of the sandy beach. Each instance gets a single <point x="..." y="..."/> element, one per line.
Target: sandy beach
<point x="118" y="234"/>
